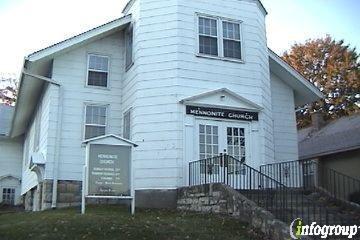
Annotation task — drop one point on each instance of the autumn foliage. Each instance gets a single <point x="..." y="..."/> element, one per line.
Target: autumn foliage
<point x="8" y="90"/>
<point x="334" y="68"/>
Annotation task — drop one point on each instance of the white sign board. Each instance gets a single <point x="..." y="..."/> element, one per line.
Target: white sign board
<point x="108" y="170"/>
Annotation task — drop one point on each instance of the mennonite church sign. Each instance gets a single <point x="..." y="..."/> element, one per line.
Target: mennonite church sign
<point x="108" y="171"/>
<point x="222" y="113"/>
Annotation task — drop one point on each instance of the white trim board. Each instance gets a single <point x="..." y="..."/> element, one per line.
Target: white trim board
<point x="106" y="28"/>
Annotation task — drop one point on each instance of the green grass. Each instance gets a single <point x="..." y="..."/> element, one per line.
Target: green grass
<point x="114" y="222"/>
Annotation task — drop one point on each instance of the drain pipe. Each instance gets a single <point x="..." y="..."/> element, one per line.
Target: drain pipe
<point x="58" y="131"/>
<point x="57" y="146"/>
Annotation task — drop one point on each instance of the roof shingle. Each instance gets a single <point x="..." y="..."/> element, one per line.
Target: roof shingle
<point x="337" y="136"/>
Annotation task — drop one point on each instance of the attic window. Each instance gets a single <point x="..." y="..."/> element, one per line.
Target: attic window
<point x="98" y="71"/>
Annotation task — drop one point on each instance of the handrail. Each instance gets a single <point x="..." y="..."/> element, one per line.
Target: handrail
<point x="311" y="175"/>
<point x="284" y="202"/>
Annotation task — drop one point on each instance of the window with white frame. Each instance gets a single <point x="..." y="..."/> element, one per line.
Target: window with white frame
<point x="95" y="120"/>
<point x="231" y="40"/>
<point x="208" y="36"/>
<point x="219" y="37"/>
<point x="98" y="70"/>
<point x="8" y="196"/>
<point x="129" y="47"/>
<point x="127" y="124"/>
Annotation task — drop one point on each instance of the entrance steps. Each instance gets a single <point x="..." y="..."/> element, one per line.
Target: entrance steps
<point x="297" y="203"/>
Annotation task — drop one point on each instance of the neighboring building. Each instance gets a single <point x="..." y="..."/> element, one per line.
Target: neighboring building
<point x="10" y="160"/>
<point x="330" y="153"/>
<point x="182" y="79"/>
<point x="335" y="145"/>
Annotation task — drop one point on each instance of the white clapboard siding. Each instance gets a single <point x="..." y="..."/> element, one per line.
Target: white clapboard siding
<point x="166" y="70"/>
<point x="10" y="157"/>
<point x="250" y="80"/>
<point x="285" y="135"/>
<point x="70" y="69"/>
<point x="45" y="145"/>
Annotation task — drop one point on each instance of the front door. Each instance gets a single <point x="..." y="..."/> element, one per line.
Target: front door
<point x="215" y="137"/>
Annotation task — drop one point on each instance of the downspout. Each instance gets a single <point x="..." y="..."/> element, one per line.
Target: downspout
<point x="58" y="132"/>
<point x="57" y="147"/>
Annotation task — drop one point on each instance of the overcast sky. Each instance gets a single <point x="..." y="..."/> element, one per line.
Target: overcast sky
<point x="29" y="25"/>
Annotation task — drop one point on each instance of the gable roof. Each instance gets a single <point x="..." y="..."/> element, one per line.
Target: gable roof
<point x="337" y="136"/>
<point x="304" y="91"/>
<point x="110" y="136"/>
<point x="249" y="104"/>
<point x="97" y="32"/>
<point x="9" y="176"/>
<point x="33" y="80"/>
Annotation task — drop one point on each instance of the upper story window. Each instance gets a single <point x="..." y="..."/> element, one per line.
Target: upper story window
<point x="129" y="47"/>
<point x="98" y="70"/>
<point x="95" y="120"/>
<point x="208" y="36"/>
<point x="219" y="37"/>
<point x="231" y="40"/>
<point x="127" y="124"/>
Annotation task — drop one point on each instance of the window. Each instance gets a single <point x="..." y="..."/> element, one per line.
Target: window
<point x="8" y="196"/>
<point x="127" y="126"/>
<point x="209" y="147"/>
<point x="129" y="47"/>
<point x="98" y="71"/>
<point x="208" y="40"/>
<point x="236" y="148"/>
<point x="219" y="37"/>
<point x="95" y="121"/>
<point x="231" y="40"/>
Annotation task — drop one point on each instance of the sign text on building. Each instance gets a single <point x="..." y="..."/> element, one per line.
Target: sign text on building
<point x="109" y="170"/>
<point x="222" y="113"/>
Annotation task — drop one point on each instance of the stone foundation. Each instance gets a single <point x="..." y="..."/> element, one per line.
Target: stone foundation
<point x="165" y="199"/>
<point x="28" y="200"/>
<point x="69" y="195"/>
<point x="221" y="199"/>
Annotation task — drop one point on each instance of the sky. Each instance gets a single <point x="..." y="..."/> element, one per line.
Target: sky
<point x="30" y="25"/>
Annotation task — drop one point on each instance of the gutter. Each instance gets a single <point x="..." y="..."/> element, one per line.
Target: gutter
<point x="16" y="105"/>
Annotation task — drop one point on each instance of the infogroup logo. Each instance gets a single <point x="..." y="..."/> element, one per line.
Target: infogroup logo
<point x="298" y="230"/>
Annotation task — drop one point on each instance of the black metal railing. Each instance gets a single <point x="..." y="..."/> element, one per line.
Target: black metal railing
<point x="312" y="176"/>
<point x="284" y="202"/>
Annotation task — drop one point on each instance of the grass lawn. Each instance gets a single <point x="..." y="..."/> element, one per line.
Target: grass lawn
<point x="114" y="222"/>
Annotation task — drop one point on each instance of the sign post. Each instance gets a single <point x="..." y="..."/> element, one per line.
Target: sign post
<point x="108" y="171"/>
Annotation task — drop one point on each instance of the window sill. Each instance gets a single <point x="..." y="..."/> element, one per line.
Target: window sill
<point x="98" y="87"/>
<point x="220" y="58"/>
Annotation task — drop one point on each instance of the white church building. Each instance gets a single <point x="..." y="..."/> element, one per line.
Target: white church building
<point x="182" y="79"/>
